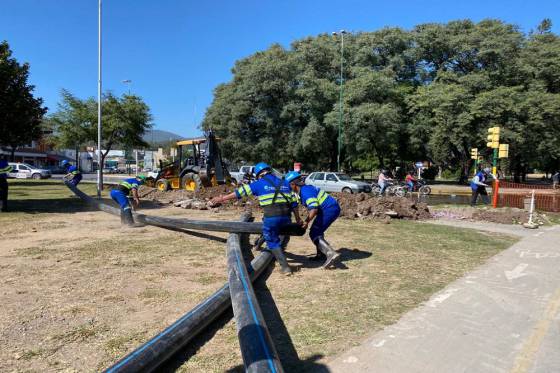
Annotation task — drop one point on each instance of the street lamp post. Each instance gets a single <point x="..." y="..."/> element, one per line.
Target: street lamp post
<point x="127" y="82"/>
<point x="341" y="113"/>
<point x="100" y="166"/>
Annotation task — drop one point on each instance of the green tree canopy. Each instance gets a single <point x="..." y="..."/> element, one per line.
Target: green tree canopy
<point x="426" y="93"/>
<point x="20" y="112"/>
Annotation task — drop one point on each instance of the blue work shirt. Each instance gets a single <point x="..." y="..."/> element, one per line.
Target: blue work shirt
<point x="4" y="169"/>
<point x="481" y="178"/>
<point x="265" y="189"/>
<point x="128" y="184"/>
<point x="314" y="198"/>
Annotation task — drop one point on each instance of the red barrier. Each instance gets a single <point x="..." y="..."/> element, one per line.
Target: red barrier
<point x="543" y="201"/>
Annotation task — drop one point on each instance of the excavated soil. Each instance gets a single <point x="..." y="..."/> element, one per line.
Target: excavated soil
<point x="353" y="205"/>
<point x="368" y="206"/>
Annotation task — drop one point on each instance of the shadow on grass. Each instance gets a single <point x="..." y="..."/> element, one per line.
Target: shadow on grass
<point x="346" y="255"/>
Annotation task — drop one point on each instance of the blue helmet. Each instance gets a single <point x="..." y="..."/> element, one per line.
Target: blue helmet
<point x="64" y="163"/>
<point x="260" y="167"/>
<point x="3" y="163"/>
<point x="292" y="175"/>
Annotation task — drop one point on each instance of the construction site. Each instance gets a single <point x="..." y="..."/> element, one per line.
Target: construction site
<point x="84" y="294"/>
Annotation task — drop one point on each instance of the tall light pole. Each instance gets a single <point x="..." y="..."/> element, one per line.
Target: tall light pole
<point x="99" y="165"/>
<point x="341" y="113"/>
<point x="127" y="82"/>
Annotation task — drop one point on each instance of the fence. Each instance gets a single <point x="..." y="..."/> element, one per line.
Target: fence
<point x="519" y="195"/>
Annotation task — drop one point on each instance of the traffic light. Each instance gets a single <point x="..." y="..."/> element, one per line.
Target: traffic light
<point x="474" y="153"/>
<point x="503" y="151"/>
<point x="493" y="137"/>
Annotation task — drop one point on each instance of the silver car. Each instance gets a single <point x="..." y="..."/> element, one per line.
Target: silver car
<point x="337" y="182"/>
<point x="24" y="171"/>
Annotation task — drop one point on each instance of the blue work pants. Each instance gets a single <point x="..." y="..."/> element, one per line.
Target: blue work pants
<point x="323" y="221"/>
<point x="121" y="198"/>
<point x="271" y="230"/>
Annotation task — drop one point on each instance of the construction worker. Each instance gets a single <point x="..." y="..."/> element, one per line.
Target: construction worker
<point x="121" y="193"/>
<point x="73" y="176"/>
<point x="277" y="202"/>
<point x="4" y="169"/>
<point x="322" y="209"/>
<point x="478" y="186"/>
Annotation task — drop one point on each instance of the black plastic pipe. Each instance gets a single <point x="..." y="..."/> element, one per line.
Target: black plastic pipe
<point x="149" y="356"/>
<point x="257" y="348"/>
<point x="204" y="225"/>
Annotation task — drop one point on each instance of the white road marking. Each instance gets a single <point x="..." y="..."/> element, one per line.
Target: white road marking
<point x="442" y="297"/>
<point x="351" y="359"/>
<point x="517" y="272"/>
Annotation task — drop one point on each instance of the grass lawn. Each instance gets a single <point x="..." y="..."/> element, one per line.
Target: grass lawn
<point x="79" y="292"/>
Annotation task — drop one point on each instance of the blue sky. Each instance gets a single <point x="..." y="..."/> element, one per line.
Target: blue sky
<point x="176" y="51"/>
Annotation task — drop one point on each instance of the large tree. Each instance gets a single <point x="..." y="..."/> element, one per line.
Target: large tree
<point x="124" y="121"/>
<point x="428" y="93"/>
<point x="20" y="112"/>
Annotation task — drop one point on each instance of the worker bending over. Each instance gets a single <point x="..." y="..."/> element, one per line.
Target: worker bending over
<point x="121" y="193"/>
<point x="322" y="209"/>
<point x="277" y="202"/>
<point x="4" y="169"/>
<point x="73" y="175"/>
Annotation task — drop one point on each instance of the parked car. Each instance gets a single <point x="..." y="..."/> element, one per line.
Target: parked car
<point x="336" y="182"/>
<point x="26" y="171"/>
<point x="153" y="173"/>
<point x="238" y="175"/>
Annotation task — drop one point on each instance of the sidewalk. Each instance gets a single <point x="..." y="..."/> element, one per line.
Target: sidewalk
<point x="502" y="317"/>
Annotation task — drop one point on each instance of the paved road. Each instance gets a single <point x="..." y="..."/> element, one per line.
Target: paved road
<point x="502" y="317"/>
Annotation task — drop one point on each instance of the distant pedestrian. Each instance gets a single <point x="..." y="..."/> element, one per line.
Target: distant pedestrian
<point x="478" y="186"/>
<point x="383" y="180"/>
<point x="4" y="169"/>
<point x="556" y="180"/>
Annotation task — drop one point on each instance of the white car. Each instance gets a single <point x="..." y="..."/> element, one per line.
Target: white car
<point x="27" y="171"/>
<point x="336" y="182"/>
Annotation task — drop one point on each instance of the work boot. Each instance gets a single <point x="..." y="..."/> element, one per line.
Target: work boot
<point x="319" y="256"/>
<point x="329" y="252"/>
<point x="259" y="242"/>
<point x="282" y="261"/>
<point x="126" y="216"/>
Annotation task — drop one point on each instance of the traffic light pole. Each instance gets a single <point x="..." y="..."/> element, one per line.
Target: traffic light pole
<point x="495" y="161"/>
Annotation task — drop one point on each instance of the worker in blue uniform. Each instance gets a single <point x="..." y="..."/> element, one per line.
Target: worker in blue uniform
<point x="322" y="209"/>
<point x="277" y="202"/>
<point x="478" y="186"/>
<point x="4" y="169"/>
<point x="73" y="175"/>
<point x="121" y="193"/>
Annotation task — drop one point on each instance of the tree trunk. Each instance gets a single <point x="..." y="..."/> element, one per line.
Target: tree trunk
<point x="77" y="157"/>
<point x="12" y="154"/>
<point x="464" y="177"/>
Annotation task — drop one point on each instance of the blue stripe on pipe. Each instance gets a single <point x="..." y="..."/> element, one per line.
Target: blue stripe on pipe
<point x="261" y="336"/>
<point x="159" y="336"/>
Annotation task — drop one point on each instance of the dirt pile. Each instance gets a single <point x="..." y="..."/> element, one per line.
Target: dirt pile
<point x="368" y="206"/>
<point x="174" y="196"/>
<point x="353" y="205"/>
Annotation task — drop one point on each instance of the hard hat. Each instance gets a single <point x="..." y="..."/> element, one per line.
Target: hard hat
<point x="141" y="177"/>
<point x="260" y="167"/>
<point x="487" y="170"/>
<point x="64" y="163"/>
<point x="3" y="163"/>
<point x="292" y="176"/>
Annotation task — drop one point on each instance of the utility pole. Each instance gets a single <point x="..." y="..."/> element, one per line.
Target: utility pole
<point x="341" y="113"/>
<point x="100" y="166"/>
<point x="127" y="82"/>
